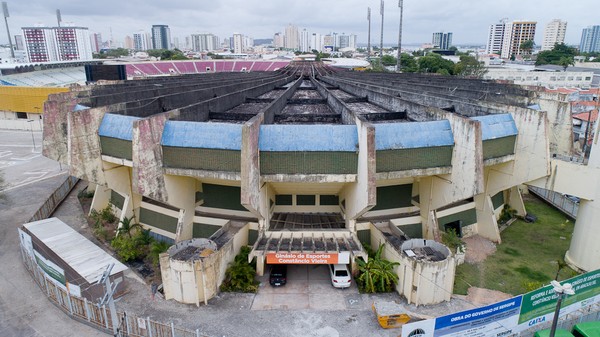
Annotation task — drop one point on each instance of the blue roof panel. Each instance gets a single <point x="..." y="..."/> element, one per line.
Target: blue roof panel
<point x="223" y="136"/>
<point x="497" y="126"/>
<point x="342" y="138"/>
<point x="395" y="136"/>
<point x="117" y="126"/>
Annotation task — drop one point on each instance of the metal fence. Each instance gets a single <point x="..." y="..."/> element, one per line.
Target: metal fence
<point x="560" y="201"/>
<point x="90" y="313"/>
<point x="585" y="314"/>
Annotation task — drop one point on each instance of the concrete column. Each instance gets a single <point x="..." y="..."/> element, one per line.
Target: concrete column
<point x="260" y="265"/>
<point x="584" y="251"/>
<point x="182" y="194"/>
<point x="515" y="201"/>
<point x="101" y="198"/>
<point x="250" y="167"/>
<point x="487" y="226"/>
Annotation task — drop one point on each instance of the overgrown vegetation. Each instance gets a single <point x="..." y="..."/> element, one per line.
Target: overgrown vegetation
<point x="529" y="255"/>
<point x="377" y="275"/>
<point x="451" y="239"/>
<point x="240" y="275"/>
<point x="507" y="214"/>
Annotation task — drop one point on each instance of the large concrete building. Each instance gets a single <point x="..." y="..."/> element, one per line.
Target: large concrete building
<point x="590" y="40"/>
<point x="442" y="40"/>
<point x="51" y="44"/>
<point x="554" y="33"/>
<point x="496" y="37"/>
<point x="205" y="42"/>
<point x="292" y="37"/>
<point x="306" y="164"/>
<point x="161" y="37"/>
<point x="515" y="33"/>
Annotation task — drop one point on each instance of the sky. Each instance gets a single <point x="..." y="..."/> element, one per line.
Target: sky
<point x="468" y="20"/>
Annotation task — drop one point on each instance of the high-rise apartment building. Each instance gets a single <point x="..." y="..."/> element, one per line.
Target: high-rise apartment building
<point x="238" y="43"/>
<point x="96" y="42"/>
<point x="590" y="40"/>
<point x="140" y="41"/>
<point x="328" y="42"/>
<point x="48" y="44"/>
<point x="292" y="37"/>
<point x="304" y="41"/>
<point x="315" y="42"/>
<point x="19" y="42"/>
<point x="278" y="40"/>
<point x="515" y="33"/>
<point x="442" y="40"/>
<point x="205" y="42"/>
<point x="496" y="37"/>
<point x="554" y="33"/>
<point x="161" y="37"/>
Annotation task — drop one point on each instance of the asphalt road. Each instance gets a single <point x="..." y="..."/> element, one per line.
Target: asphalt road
<point x="30" y="178"/>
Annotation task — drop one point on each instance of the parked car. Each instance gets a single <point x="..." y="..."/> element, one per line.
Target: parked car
<point x="278" y="275"/>
<point x="340" y="276"/>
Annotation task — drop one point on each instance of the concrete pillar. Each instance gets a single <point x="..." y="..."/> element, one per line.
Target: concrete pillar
<point x="487" y="226"/>
<point x="182" y="194"/>
<point x="260" y="265"/>
<point x="101" y="198"/>
<point x="584" y="251"/>
<point x="515" y="201"/>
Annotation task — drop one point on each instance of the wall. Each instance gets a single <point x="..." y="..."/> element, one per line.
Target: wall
<point x="542" y="78"/>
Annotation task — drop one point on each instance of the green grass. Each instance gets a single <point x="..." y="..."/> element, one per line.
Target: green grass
<point x="527" y="257"/>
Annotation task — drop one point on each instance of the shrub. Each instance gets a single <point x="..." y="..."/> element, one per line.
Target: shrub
<point x="127" y="248"/>
<point x="507" y="214"/>
<point x="156" y="248"/>
<point x="239" y="276"/>
<point x="451" y="239"/>
<point x="377" y="275"/>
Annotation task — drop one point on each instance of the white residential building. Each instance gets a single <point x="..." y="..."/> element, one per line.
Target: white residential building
<point x="304" y="41"/>
<point x="238" y="43"/>
<point x="48" y="44"/>
<point x="315" y="42"/>
<point x="515" y="33"/>
<point x="205" y="42"/>
<point x="140" y="41"/>
<point x="292" y="37"/>
<point x="495" y="37"/>
<point x="554" y="33"/>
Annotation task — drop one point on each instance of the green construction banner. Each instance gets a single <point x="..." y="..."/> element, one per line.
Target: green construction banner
<point x="50" y="268"/>
<point x="542" y="301"/>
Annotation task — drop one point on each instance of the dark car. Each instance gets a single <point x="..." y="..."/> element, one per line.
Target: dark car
<point x="278" y="276"/>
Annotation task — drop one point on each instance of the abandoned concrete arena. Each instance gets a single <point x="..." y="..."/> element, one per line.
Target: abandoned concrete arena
<point x="307" y="163"/>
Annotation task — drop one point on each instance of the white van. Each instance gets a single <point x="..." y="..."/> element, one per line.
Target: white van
<point x="340" y="276"/>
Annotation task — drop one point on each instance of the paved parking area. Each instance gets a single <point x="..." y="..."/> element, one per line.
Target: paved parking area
<point x="308" y="287"/>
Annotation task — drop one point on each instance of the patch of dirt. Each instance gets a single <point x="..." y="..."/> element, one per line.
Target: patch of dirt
<point x="480" y="296"/>
<point x="478" y="249"/>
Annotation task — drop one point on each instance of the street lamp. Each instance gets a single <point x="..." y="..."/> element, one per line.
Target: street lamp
<point x="561" y="291"/>
<point x="31" y="129"/>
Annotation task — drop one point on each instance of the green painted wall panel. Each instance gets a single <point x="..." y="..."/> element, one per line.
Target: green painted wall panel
<point x="410" y="159"/>
<point x="396" y="196"/>
<point x="219" y="196"/>
<point x="252" y="236"/>
<point x="498" y="199"/>
<point x="414" y="231"/>
<point x="201" y="159"/>
<point x="117" y="199"/>
<point x="202" y="230"/>
<point x="468" y="217"/>
<point x="329" y="200"/>
<point x="117" y="148"/>
<point x="308" y="162"/>
<point x="364" y="236"/>
<point x="158" y="220"/>
<point x="500" y="147"/>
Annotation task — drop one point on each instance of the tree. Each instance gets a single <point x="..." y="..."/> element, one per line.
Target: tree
<point x="527" y="46"/>
<point x="408" y="63"/>
<point x="434" y="63"/>
<point x="470" y="67"/>
<point x="555" y="55"/>
<point x="566" y="61"/>
<point x="127" y="225"/>
<point x="389" y="60"/>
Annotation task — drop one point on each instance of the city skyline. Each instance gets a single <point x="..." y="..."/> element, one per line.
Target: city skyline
<point x="469" y="20"/>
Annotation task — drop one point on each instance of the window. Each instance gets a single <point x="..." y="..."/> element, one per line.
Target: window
<point x="21" y="115"/>
<point x="305" y="200"/>
<point x="283" y="199"/>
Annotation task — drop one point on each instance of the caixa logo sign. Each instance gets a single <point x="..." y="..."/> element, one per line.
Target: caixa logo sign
<point x="537" y="320"/>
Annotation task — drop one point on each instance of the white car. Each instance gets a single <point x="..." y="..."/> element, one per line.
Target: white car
<point x="340" y="276"/>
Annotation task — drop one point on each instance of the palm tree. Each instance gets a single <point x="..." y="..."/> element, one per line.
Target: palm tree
<point x="377" y="275"/>
<point x="127" y="225"/>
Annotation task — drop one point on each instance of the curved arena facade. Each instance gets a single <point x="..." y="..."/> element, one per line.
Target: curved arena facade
<point x="305" y="162"/>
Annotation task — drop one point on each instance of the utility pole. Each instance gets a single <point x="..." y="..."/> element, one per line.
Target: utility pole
<point x="109" y="291"/>
<point x="369" y="36"/>
<point x="399" y="64"/>
<point x="58" y="17"/>
<point x="6" y="15"/>
<point x="381" y="41"/>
